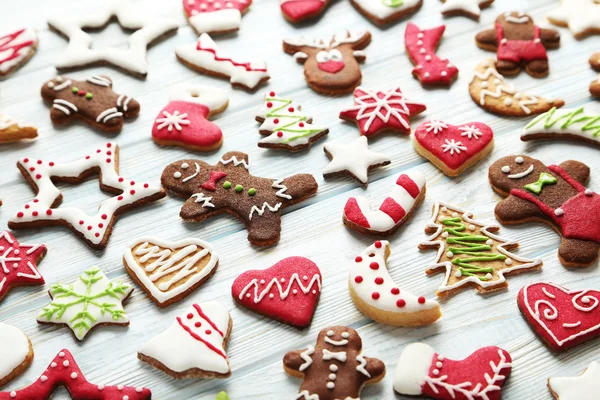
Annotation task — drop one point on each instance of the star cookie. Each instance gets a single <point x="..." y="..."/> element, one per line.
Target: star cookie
<point x="582" y="387"/>
<point x="18" y="263"/>
<point x="581" y="16"/>
<point x="468" y="8"/>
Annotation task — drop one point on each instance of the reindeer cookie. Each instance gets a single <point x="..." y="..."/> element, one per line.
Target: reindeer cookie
<point x="331" y="66"/>
<point x="92" y="100"/>
<point x="518" y="41"/>
<point x="228" y="187"/>
<point x="335" y="367"/>
<point x="555" y="195"/>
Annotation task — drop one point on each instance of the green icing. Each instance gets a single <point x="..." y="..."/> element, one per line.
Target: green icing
<point x="222" y="396"/>
<point x="251" y="191"/>
<point x="290" y="123"/>
<point x="565" y="121"/>
<point x="227" y="185"/>
<point x="544" y="179"/>
<point x="393" y="3"/>
<point x="239" y="188"/>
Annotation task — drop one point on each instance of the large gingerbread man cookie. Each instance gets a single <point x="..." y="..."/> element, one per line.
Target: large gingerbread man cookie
<point x="228" y="187"/>
<point x="335" y="367"/>
<point x="552" y="194"/>
<point x="519" y="42"/>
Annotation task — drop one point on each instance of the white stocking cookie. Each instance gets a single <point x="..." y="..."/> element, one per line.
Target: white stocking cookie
<point x="209" y="16"/>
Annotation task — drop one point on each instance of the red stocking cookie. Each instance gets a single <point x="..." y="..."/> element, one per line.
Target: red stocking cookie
<point x="184" y="121"/>
<point x="288" y="291"/>
<point x="423" y="372"/>
<point x="209" y="16"/>
<point x="16" y="353"/>
<point x="18" y="263"/>
<point x="301" y="10"/>
<point x="16" y="48"/>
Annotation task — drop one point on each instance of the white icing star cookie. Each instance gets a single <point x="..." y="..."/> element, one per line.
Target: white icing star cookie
<point x="581" y="16"/>
<point x="468" y="8"/>
<point x="583" y="387"/>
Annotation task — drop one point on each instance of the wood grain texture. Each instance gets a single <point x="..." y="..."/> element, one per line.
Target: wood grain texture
<point x="312" y="229"/>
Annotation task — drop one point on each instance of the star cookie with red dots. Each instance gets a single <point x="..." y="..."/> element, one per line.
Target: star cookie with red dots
<point x="64" y="371"/>
<point x="18" y="263"/>
<point x="95" y="230"/>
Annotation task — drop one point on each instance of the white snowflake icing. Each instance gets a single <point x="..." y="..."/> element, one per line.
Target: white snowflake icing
<point x="453" y="146"/>
<point x="436" y="127"/>
<point x="172" y="120"/>
<point x="470" y="131"/>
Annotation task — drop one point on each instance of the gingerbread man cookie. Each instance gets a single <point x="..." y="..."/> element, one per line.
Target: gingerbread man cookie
<point x="335" y="368"/>
<point x="228" y="187"/>
<point x="555" y="195"/>
<point x="519" y="42"/>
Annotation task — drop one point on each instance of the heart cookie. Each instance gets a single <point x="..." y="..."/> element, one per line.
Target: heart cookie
<point x="453" y="148"/>
<point x="287" y="292"/>
<point x="169" y="271"/>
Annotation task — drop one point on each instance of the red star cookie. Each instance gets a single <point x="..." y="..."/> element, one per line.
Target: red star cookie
<point x="18" y="263"/>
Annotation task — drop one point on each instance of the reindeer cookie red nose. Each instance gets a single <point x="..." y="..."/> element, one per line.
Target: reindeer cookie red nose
<point x="331" y="66"/>
<point x="330" y="61"/>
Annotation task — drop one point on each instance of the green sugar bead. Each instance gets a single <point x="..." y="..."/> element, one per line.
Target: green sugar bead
<point x="251" y="191"/>
<point x="239" y="188"/>
<point x="75" y="89"/>
<point x="227" y="185"/>
<point x="89" y="96"/>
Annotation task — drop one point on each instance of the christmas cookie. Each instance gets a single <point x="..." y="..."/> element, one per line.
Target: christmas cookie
<point x="287" y="292"/>
<point x="492" y="93"/>
<point x="92" y="101"/>
<point x="205" y="57"/>
<point x="595" y="85"/>
<point x="571" y="124"/>
<point x="468" y="8"/>
<point x="184" y="121"/>
<point x="296" y="11"/>
<point x="16" y="48"/>
<point x="13" y="131"/>
<point x="92" y="300"/>
<point x="379" y="111"/>
<point x="377" y="296"/>
<point x="228" y="187"/>
<point x="555" y="195"/>
<point x="18" y="263"/>
<point x="383" y="12"/>
<point x="562" y="318"/>
<point x="335" y="367"/>
<point x="470" y="253"/>
<point x="16" y="353"/>
<point x="222" y="396"/>
<point x="582" y="387"/>
<point x="581" y="16"/>
<point x="518" y="42"/>
<point x="81" y="52"/>
<point x="331" y="65"/>
<point x="169" y="271"/>
<point x="64" y="371"/>
<point x="407" y="193"/>
<point x="215" y="17"/>
<point x="286" y="126"/>
<point x="95" y="230"/>
<point x="453" y="148"/>
<point x="421" y="45"/>
<point x="194" y="346"/>
<point x="354" y="160"/>
<point x="421" y="371"/>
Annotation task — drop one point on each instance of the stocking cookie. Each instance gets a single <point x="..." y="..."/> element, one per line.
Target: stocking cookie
<point x="288" y="291"/>
<point x="595" y="85"/>
<point x="18" y="263"/>
<point x="518" y="42"/>
<point x="407" y="193"/>
<point x="379" y="111"/>
<point x="383" y="12"/>
<point x="331" y="66"/>
<point x="377" y="296"/>
<point x="453" y="148"/>
<point x="581" y="16"/>
<point x="335" y="368"/>
<point x="468" y="8"/>
<point x="207" y="16"/>
<point x="570" y="124"/>
<point x="205" y="57"/>
<point x="92" y="100"/>
<point x="184" y="121"/>
<point x="92" y="300"/>
<point x="16" y="353"/>
<point x="296" y="11"/>
<point x="228" y="187"/>
<point x="169" y="271"/>
<point x="13" y="131"/>
<point x="562" y="318"/>
<point x="582" y="387"/>
<point x="194" y="346"/>
<point x="64" y="371"/>
<point x="555" y="195"/>
<point x="492" y="93"/>
<point x="421" y="45"/>
<point x="421" y="371"/>
<point x="470" y="253"/>
<point x="286" y="126"/>
<point x="44" y="210"/>
<point x="16" y="48"/>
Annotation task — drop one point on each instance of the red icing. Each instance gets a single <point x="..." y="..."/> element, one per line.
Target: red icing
<point x="13" y="50"/>
<point x="211" y="183"/>
<point x="64" y="371"/>
<point x="296" y="309"/>
<point x="409" y="185"/>
<point x="246" y="65"/>
<point x="393" y="209"/>
<point x="196" y="336"/>
<point x="433" y="142"/>
<point x="193" y="7"/>
<point x="520" y="50"/>
<point x="297" y="10"/>
<point x="25" y="257"/>
<point x="331" y="66"/>
<point x="430" y="68"/>
<point x="353" y="213"/>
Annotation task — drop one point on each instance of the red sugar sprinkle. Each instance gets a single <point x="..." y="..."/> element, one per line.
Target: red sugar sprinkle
<point x="38" y="176"/>
<point x="98" y="151"/>
<point x="87" y="157"/>
<point x="120" y="198"/>
<point x="39" y="162"/>
<point x="421" y="300"/>
<point x="378" y="244"/>
<point x="51" y="164"/>
<point x="101" y="225"/>
<point x="401" y="303"/>
<point x="269" y="104"/>
<point x="197" y="324"/>
<point x="190" y="316"/>
<point x="395" y="291"/>
<point x="27" y="206"/>
<point x="32" y="169"/>
<point x="375" y="296"/>
<point x="81" y="222"/>
<point x="35" y="213"/>
<point x="121" y="179"/>
<point x="358" y="259"/>
<point x="97" y="234"/>
<point x="89" y="228"/>
<point x="20" y="215"/>
<point x="108" y="160"/>
<point x="109" y="145"/>
<point x="104" y="216"/>
<point x="379" y="281"/>
<point x="109" y="153"/>
<point x="132" y="183"/>
<point x="48" y="212"/>
<point x="271" y="94"/>
<point x="276" y="121"/>
<point x="358" y="279"/>
<point x="26" y="160"/>
<point x="35" y="200"/>
<point x="279" y="134"/>
<point x="132" y="192"/>
<point x="208" y="332"/>
<point x="291" y="109"/>
<point x="301" y="124"/>
<point x="374" y="265"/>
<point x="146" y="186"/>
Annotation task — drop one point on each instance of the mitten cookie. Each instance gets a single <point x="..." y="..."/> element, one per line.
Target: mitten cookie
<point x="423" y="372"/>
<point x="19" y="263"/>
<point x="468" y="8"/>
<point x="296" y="11"/>
<point x="555" y="195"/>
<point x="331" y="66"/>
<point x="214" y="17"/>
<point x="16" y="353"/>
<point x="16" y="48"/>
<point x="335" y="368"/>
<point x="92" y="100"/>
<point x="581" y="16"/>
<point x="228" y="187"/>
<point x="518" y="42"/>
<point x="570" y="124"/>
<point x="13" y="131"/>
<point x="383" y="12"/>
<point x="470" y="253"/>
<point x="582" y="387"/>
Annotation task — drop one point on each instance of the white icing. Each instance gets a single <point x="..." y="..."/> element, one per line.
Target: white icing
<point x="213" y="98"/>
<point x="235" y="162"/>
<point x="6" y="43"/>
<point x="266" y="206"/>
<point x="14" y="349"/>
<point x="305" y="355"/>
<point x="252" y="287"/>
<point x="356" y="158"/>
<point x="278" y="184"/>
<point x="522" y="174"/>
<point x="347" y="37"/>
<point x="519" y="160"/>
<point x="413" y="368"/>
<point x="334" y="355"/>
<point x="380" y="10"/>
<point x="6" y="122"/>
<point x="505" y="169"/>
<point x="205" y="200"/>
<point x="174" y="120"/>
<point x="342" y="342"/>
<point x="435" y="126"/>
<point x="222" y="20"/>
<point x="560" y="122"/>
<point x="583" y="387"/>
<point x="453" y="146"/>
<point x="471" y="7"/>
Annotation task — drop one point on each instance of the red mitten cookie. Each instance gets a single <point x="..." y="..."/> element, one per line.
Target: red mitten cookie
<point x="214" y="17"/>
<point x="301" y="10"/>
<point x="18" y="263"/>
<point x="288" y="291"/>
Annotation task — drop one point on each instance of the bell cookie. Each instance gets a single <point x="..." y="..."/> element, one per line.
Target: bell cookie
<point x="18" y="263"/>
<point x="384" y="12"/>
<point x="13" y="131"/>
<point x="16" y="48"/>
<point x="569" y="124"/>
<point x="16" y="353"/>
<point x="207" y="16"/>
<point x="582" y="387"/>
<point x="554" y="195"/>
<point x="467" y="8"/>
<point x="296" y="11"/>
<point x="582" y="17"/>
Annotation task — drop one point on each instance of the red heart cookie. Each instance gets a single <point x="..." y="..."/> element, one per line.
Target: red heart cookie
<point x="288" y="291"/>
<point x="562" y="318"/>
<point x="453" y="148"/>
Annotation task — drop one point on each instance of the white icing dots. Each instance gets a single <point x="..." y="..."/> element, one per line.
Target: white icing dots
<point x="508" y="261"/>
<point x="330" y="333"/>
<point x="66" y="363"/>
<point x="505" y="169"/>
<point x="53" y="365"/>
<point x="332" y="377"/>
<point x="458" y="274"/>
<point x="74" y="375"/>
<point x="488" y="276"/>
<point x="100" y="387"/>
<point x="436" y="371"/>
<point x="185" y="165"/>
<point x="471" y="227"/>
<point x="489" y="242"/>
<point x="61" y="354"/>
<point x="333" y="368"/>
<point x="559" y="212"/>
<point x="345" y="335"/>
<point x="588" y="192"/>
<point x="519" y="160"/>
<point x="120" y="387"/>
<point x="449" y="254"/>
<point x="13" y="394"/>
<point x="330" y="385"/>
<point x="43" y="378"/>
<point x="177" y="175"/>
